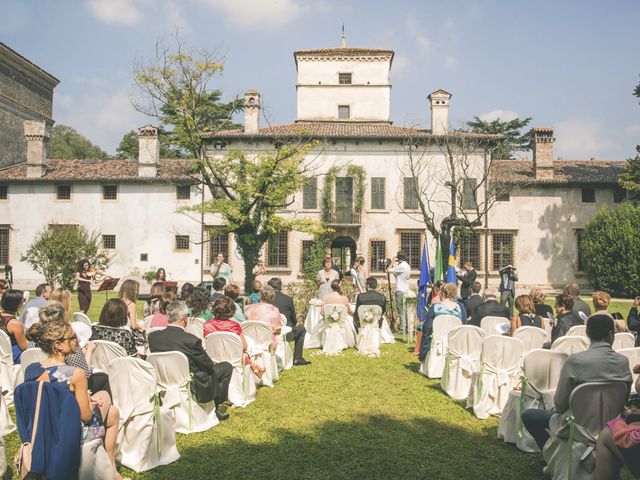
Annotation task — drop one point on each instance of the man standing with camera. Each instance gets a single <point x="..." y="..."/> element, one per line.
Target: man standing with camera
<point x="508" y="279"/>
<point x="401" y="269"/>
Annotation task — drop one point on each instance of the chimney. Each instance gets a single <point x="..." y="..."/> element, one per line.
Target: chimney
<point x="148" y="151"/>
<point x="439" y="101"/>
<point x="37" y="137"/>
<point x="251" y="111"/>
<point x="543" y="152"/>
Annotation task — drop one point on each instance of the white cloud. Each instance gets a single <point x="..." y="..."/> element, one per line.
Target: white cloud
<point x="175" y="18"/>
<point x="450" y="62"/>
<point x="243" y="14"/>
<point x="504" y="115"/>
<point x="424" y="43"/>
<point x="582" y="138"/>
<point x="115" y="12"/>
<point x="633" y="129"/>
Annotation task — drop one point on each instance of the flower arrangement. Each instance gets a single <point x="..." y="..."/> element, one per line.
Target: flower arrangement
<point x="333" y="317"/>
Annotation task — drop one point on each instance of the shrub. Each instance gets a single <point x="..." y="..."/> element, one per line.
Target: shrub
<point x="55" y="253"/>
<point x="611" y="250"/>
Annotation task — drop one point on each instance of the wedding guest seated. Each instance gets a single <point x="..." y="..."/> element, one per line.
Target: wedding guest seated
<point x="538" y="297"/>
<point x="598" y="364"/>
<point x="199" y="304"/>
<point x="152" y="306"/>
<point x="474" y="299"/>
<point x="43" y="292"/>
<point x="98" y="417"/>
<point x="447" y="306"/>
<point x="633" y="321"/>
<point x="265" y="311"/>
<point x="526" y="314"/>
<point x="63" y="296"/>
<point x="601" y="302"/>
<point x="186" y="291"/>
<point x="218" y="288"/>
<point x="255" y="295"/>
<point x="336" y="298"/>
<point x="112" y="326"/>
<point x="128" y="293"/>
<point x="490" y="308"/>
<point x="565" y="316"/>
<point x="210" y="381"/>
<point x="285" y="305"/>
<point x="11" y="302"/>
<point x="160" y="318"/>
<point x="370" y="297"/>
<point x="233" y="292"/>
<point x="579" y="305"/>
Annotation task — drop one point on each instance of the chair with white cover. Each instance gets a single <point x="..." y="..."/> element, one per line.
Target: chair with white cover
<point x="546" y="325"/>
<point x="146" y="437"/>
<point x="10" y="374"/>
<point x="489" y="324"/>
<point x="577" y="331"/>
<point x="538" y="382"/>
<point x="81" y="317"/>
<point x="31" y="355"/>
<point x="633" y="355"/>
<point x="30" y="317"/>
<point x="570" y="450"/>
<point x="498" y="374"/>
<point x="386" y="335"/>
<point x="195" y="326"/>
<point x="262" y="350"/>
<point x="227" y="347"/>
<point x="369" y="337"/>
<point x="104" y="353"/>
<point x="174" y="382"/>
<point x="570" y="344"/>
<point x="531" y="337"/>
<point x="623" y="340"/>
<point x="334" y="337"/>
<point x="464" y="345"/>
<point x="284" y="354"/>
<point x="433" y="364"/>
<point x="313" y="324"/>
<point x="6" y="422"/>
<point x="147" y="322"/>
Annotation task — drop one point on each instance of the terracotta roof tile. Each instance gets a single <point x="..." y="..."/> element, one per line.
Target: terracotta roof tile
<point x="344" y="52"/>
<point x="564" y="172"/>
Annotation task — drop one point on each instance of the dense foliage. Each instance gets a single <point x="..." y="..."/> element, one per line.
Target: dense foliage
<point x="514" y="140"/>
<point x="129" y="147"/>
<point x="68" y="144"/>
<point x="630" y="176"/>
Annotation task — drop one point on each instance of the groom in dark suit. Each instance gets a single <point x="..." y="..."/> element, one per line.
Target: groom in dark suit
<point x="288" y="309"/>
<point x="210" y="381"/>
<point x="466" y="278"/>
<point x="370" y="297"/>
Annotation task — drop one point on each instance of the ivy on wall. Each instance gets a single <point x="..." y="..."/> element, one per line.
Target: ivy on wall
<point x="358" y="173"/>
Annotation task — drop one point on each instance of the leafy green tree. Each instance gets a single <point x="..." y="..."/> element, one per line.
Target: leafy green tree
<point x="611" y="250"/>
<point x="514" y="140"/>
<point x="129" y="147"/>
<point x="630" y="176"/>
<point x="68" y="144"/>
<point x="55" y="253"/>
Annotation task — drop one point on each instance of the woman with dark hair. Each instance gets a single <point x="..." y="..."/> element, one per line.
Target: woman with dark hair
<point x="11" y="302"/>
<point x="4" y="286"/>
<point x="100" y="419"/>
<point x="336" y="298"/>
<point x="526" y="314"/>
<point x="255" y="296"/>
<point x="161" y="275"/>
<point x="186" y="291"/>
<point x="85" y="276"/>
<point x="152" y="306"/>
<point x="233" y="292"/>
<point x="160" y="318"/>
<point x="199" y="305"/>
<point x="112" y="326"/>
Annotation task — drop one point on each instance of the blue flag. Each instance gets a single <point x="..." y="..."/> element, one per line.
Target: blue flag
<point x="422" y="284"/>
<point x="451" y="264"/>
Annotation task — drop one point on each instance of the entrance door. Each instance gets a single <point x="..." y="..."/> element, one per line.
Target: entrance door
<point x="344" y="200"/>
<point x="344" y="248"/>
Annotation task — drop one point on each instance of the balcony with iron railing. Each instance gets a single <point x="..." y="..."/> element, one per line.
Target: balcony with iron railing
<point x="344" y="217"/>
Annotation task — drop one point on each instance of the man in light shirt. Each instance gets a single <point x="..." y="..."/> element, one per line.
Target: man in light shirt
<point x="401" y="269"/>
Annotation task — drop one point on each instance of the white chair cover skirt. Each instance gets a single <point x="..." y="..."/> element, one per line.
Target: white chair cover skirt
<point x="577" y="331"/>
<point x="81" y="317"/>
<point x="623" y="340"/>
<point x="314" y="325"/>
<point x="105" y="352"/>
<point x="386" y="335"/>
<point x="633" y="355"/>
<point x="335" y="336"/>
<point x="571" y="344"/>
<point x="531" y="337"/>
<point x="10" y="374"/>
<point x="433" y="364"/>
<point x="464" y="345"/>
<point x="261" y="352"/>
<point x="369" y="337"/>
<point x="284" y="354"/>
<point x="489" y="324"/>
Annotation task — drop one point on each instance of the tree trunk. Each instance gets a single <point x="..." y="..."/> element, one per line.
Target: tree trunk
<point x="249" y="248"/>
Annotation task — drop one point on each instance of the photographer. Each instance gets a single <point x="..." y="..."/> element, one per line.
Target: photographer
<point x="507" y="289"/>
<point x="401" y="269"/>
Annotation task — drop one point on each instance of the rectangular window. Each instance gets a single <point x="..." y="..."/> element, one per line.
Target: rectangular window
<point x="218" y="243"/>
<point x="469" y="193"/>
<point x="502" y="250"/>
<point x="182" y="242"/>
<point x="588" y="195"/>
<point x="469" y="249"/>
<point x="109" y="192"/>
<point x="4" y="192"/>
<point x="410" y="193"/>
<point x="310" y="194"/>
<point x="63" y="192"/>
<point x="144" y="257"/>
<point x="502" y="197"/>
<point x="579" y="252"/>
<point x="619" y="194"/>
<point x="377" y="255"/>
<point x="4" y="244"/>
<point x="378" y="193"/>
<point x="109" y="242"/>
<point x="410" y="243"/>
<point x="344" y="78"/>
<point x="183" y="192"/>
<point x="344" y="112"/>
<point x="278" y="250"/>
<point x="307" y="245"/>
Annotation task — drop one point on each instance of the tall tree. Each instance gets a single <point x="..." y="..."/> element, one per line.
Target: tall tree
<point x="129" y="147"/>
<point x="630" y="176"/>
<point x="68" y="144"/>
<point x="514" y="140"/>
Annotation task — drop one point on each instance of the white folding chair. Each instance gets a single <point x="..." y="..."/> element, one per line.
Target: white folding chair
<point x="334" y="337"/>
<point x="81" y="317"/>
<point x="146" y="437"/>
<point x="570" y="344"/>
<point x="623" y="340"/>
<point x="385" y="332"/>
<point x="489" y="324"/>
<point x="464" y="345"/>
<point x="433" y="364"/>
<point x="174" y="382"/>
<point x="31" y="355"/>
<point x="30" y="317"/>
<point x="147" y="322"/>
<point x="314" y="325"/>
<point x="227" y="347"/>
<point x="262" y="350"/>
<point x="105" y="352"/>
<point x="369" y="338"/>
<point x="195" y="326"/>
<point x="577" y="331"/>
<point x="498" y="374"/>
<point x="531" y="337"/>
<point x="541" y="371"/>
<point x="6" y="422"/>
<point x="633" y="355"/>
<point x="570" y="450"/>
<point x="10" y="374"/>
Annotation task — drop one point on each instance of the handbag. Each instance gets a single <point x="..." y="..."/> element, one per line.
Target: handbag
<point x="22" y="459"/>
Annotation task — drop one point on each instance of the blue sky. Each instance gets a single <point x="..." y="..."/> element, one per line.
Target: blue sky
<point x="571" y="65"/>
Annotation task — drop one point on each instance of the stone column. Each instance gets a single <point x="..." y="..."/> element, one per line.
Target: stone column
<point x="37" y="136"/>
